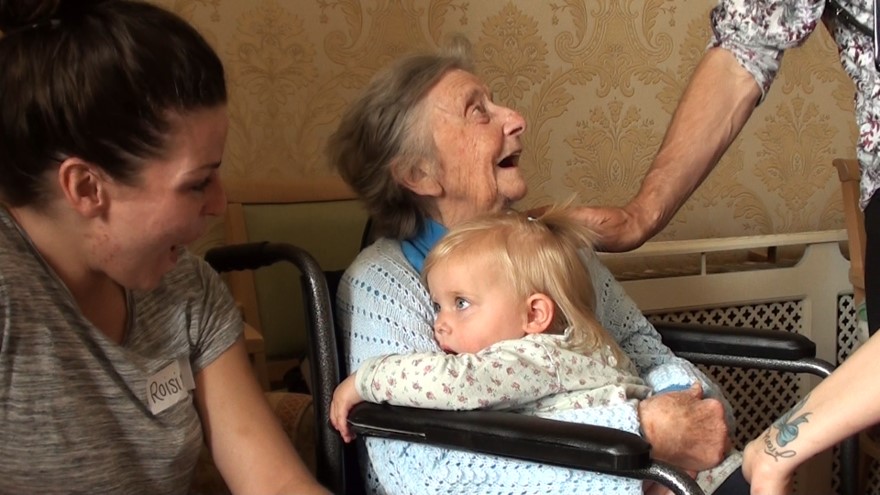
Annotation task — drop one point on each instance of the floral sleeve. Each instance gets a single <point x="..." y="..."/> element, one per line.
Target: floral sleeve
<point x="502" y="376"/>
<point x="528" y="371"/>
<point x="757" y="32"/>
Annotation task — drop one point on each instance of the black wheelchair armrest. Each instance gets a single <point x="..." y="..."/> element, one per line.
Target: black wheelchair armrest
<point x="686" y="339"/>
<point x="573" y="445"/>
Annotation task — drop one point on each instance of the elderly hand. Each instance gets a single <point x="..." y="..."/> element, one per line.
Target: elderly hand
<point x="345" y="397"/>
<point x="616" y="229"/>
<point x="766" y="476"/>
<point x="684" y="429"/>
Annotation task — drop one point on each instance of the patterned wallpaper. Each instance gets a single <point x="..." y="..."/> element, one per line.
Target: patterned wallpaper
<point x="597" y="81"/>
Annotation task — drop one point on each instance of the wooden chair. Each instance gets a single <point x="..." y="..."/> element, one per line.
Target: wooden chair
<point x="849" y="172"/>
<point x="321" y="215"/>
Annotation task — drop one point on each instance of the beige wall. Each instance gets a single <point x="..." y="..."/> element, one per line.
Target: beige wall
<point x="597" y="81"/>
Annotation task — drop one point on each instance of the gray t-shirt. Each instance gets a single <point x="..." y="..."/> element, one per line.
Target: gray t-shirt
<point x="75" y="413"/>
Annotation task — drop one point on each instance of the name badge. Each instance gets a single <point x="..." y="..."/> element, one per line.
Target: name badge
<point x="170" y="386"/>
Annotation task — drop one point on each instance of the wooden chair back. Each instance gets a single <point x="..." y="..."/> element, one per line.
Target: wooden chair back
<point x="849" y="173"/>
<point x="321" y="215"/>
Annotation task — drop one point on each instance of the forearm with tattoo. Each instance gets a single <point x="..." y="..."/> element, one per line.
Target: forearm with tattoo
<point x="786" y="432"/>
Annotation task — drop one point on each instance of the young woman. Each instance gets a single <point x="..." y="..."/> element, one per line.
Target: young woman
<point x="120" y="353"/>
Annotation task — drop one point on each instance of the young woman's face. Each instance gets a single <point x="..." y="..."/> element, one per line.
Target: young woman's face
<point x="148" y="223"/>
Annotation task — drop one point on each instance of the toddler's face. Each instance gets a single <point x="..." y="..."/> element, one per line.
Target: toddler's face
<point x="474" y="306"/>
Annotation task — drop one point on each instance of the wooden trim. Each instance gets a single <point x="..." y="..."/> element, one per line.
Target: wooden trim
<point x="849" y="173"/>
<point x="702" y="246"/>
<point x="289" y="191"/>
<point x="847" y="169"/>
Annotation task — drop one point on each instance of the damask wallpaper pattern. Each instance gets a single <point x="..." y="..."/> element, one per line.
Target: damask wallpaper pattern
<point x="596" y="80"/>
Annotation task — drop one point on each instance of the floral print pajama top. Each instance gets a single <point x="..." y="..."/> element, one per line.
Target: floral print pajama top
<point x="533" y="374"/>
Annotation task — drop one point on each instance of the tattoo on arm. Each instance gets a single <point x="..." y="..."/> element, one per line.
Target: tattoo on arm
<point x="786" y="432"/>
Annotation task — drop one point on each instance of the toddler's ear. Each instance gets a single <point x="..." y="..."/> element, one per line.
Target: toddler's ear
<point x="541" y="312"/>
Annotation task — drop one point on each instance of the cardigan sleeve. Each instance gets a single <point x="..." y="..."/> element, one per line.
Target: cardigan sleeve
<point x="660" y="368"/>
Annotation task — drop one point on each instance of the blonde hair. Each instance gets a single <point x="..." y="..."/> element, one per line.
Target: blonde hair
<point x="536" y="255"/>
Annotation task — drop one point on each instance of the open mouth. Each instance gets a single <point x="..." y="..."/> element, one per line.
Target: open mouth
<point x="509" y="161"/>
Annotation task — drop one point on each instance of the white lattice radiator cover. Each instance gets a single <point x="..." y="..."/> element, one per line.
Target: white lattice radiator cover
<point x="813" y="297"/>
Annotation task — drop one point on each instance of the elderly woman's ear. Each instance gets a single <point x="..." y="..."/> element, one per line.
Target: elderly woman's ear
<point x="420" y="178"/>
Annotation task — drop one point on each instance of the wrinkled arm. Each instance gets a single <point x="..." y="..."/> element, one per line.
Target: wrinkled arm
<point x="749" y="39"/>
<point x="685" y="430"/>
<point x="718" y="101"/>
<point x="714" y="108"/>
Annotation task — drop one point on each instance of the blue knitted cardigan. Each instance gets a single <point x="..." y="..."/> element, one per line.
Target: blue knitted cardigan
<point x="383" y="308"/>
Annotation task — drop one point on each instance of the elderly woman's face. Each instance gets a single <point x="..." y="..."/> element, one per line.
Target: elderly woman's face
<point x="478" y="148"/>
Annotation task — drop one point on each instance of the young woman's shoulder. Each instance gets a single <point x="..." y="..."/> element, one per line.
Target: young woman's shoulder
<point x="191" y="273"/>
<point x="193" y="288"/>
<point x="193" y="293"/>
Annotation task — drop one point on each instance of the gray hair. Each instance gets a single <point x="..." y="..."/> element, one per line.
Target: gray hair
<point x="383" y="134"/>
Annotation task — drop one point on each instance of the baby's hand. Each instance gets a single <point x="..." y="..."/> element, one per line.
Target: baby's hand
<point x="344" y="398"/>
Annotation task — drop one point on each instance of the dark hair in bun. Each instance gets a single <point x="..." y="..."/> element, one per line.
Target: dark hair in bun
<point x="18" y="15"/>
<point x="95" y="79"/>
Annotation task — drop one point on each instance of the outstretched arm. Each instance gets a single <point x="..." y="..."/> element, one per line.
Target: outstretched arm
<point x="842" y="405"/>
<point x="714" y="108"/>
<point x="250" y="448"/>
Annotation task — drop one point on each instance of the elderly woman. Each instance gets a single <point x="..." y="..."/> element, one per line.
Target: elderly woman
<point x="425" y="147"/>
